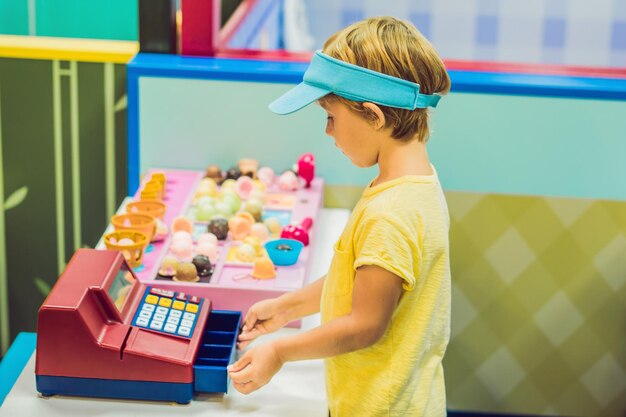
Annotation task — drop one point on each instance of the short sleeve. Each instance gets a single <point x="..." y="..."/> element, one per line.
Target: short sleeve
<point x="383" y="242"/>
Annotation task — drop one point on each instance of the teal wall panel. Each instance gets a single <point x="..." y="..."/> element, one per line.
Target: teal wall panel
<point x="480" y="143"/>
<point x="111" y="19"/>
<point x="14" y="17"/>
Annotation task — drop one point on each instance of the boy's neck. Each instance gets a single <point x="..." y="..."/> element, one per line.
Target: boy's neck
<point x="397" y="159"/>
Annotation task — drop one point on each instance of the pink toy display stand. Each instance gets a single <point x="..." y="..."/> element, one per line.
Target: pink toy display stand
<point x="231" y="287"/>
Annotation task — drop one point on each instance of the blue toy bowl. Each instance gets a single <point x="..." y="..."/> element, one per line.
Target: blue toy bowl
<point x="284" y="252"/>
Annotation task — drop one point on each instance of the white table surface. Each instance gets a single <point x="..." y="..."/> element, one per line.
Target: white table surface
<point x="297" y="390"/>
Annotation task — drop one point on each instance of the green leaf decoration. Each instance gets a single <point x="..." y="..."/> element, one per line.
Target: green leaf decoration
<point x="16" y="198"/>
<point x="42" y="286"/>
<point x="121" y="104"/>
<point x="85" y="246"/>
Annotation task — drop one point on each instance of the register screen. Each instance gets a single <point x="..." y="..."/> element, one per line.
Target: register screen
<point x="121" y="286"/>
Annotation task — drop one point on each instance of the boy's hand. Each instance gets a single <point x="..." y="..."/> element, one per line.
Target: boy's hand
<point x="255" y="368"/>
<point x="262" y="318"/>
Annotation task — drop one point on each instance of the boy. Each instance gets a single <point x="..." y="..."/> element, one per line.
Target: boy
<point x="385" y="302"/>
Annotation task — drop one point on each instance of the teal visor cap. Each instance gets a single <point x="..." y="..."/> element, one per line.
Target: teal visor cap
<point x="329" y="75"/>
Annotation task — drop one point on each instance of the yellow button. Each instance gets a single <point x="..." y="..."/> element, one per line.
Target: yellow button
<point x="178" y="305"/>
<point x="152" y="299"/>
<point x="165" y="302"/>
<point x="192" y="308"/>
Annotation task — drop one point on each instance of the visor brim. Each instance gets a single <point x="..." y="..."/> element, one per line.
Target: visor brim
<point x="298" y="97"/>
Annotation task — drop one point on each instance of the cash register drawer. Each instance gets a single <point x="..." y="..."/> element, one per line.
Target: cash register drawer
<point x="217" y="351"/>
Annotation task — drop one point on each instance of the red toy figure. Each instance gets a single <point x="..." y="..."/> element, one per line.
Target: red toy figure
<point x="306" y="168"/>
<point x="300" y="233"/>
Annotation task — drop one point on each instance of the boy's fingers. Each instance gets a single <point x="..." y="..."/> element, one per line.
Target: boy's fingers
<point x="243" y="376"/>
<point x="240" y="364"/>
<point x="249" y="321"/>
<point x="249" y="335"/>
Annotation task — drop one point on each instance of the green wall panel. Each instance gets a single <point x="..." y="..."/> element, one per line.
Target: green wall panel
<point x="62" y="124"/>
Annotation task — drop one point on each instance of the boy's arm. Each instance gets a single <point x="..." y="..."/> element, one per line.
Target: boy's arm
<point x="270" y="315"/>
<point x="375" y="296"/>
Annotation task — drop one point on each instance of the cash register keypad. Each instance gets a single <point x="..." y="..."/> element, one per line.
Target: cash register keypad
<point x="168" y="312"/>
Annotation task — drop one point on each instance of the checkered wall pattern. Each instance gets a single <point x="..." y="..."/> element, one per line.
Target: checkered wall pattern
<point x="539" y="305"/>
<point x="564" y="32"/>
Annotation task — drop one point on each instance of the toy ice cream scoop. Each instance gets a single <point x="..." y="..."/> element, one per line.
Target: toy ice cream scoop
<point x="186" y="272"/>
<point x="266" y="175"/>
<point x="248" y="167"/>
<point x="207" y="249"/>
<point x="245" y="253"/>
<point x="260" y="231"/>
<point x="263" y="268"/>
<point x="169" y="266"/>
<point x="288" y="181"/>
<point x="207" y="238"/>
<point x="219" y="227"/>
<point x="244" y="186"/>
<point x="182" y="223"/>
<point x="182" y="250"/>
<point x="203" y="265"/>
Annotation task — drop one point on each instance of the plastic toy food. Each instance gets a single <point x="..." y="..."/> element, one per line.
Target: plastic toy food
<point x="203" y="265"/>
<point x="273" y="225"/>
<point x="244" y="186"/>
<point x="182" y="223"/>
<point x="169" y="266"/>
<point x="260" y="231"/>
<point x="300" y="232"/>
<point x="207" y="249"/>
<point x="154" y="208"/>
<point x="246" y="253"/>
<point x="182" y="250"/>
<point x="214" y="172"/>
<point x="130" y="242"/>
<point x="306" y="168"/>
<point x="139" y="222"/>
<point x="248" y="167"/>
<point x="240" y="225"/>
<point x="263" y="268"/>
<point x="254" y="207"/>
<point x="288" y="181"/>
<point x="284" y="252"/>
<point x="233" y="173"/>
<point x="207" y="238"/>
<point x="219" y="227"/>
<point x="186" y="272"/>
<point x="266" y="175"/>
<point x="182" y="236"/>
<point x="204" y="212"/>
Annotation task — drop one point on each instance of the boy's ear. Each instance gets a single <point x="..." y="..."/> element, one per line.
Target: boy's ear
<point x="379" y="121"/>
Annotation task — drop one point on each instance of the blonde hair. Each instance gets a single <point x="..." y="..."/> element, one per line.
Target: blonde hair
<point x="396" y="48"/>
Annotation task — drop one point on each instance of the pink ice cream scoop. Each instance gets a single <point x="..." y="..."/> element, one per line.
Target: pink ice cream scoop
<point x="288" y="181"/>
<point x="207" y="238"/>
<point x="183" y="250"/>
<point x="207" y="249"/>
<point x="266" y="175"/>
<point x="244" y="186"/>
<point x="300" y="233"/>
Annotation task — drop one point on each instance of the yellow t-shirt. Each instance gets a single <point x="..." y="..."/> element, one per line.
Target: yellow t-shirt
<point x="402" y="226"/>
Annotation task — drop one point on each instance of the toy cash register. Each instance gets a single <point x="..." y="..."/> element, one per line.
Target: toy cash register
<point x="102" y="333"/>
